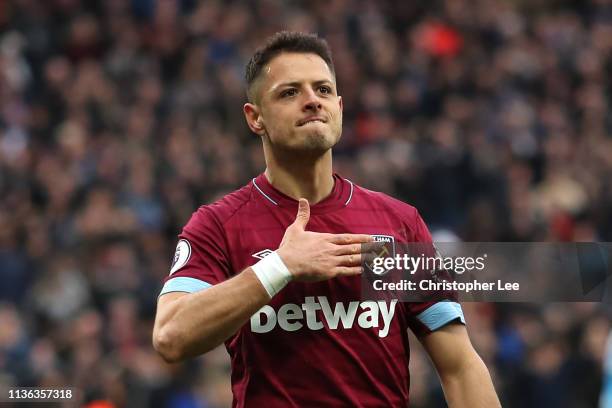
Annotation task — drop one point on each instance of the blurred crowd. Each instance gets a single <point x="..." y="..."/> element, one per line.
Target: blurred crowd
<point x="118" y="118"/>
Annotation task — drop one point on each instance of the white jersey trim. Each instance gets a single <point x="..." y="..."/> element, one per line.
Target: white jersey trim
<point x="264" y="194"/>
<point x="351" y="193"/>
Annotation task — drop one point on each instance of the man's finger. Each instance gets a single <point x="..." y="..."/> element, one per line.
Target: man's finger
<point x="350" y="260"/>
<point x="347" y="270"/>
<point x="345" y="239"/>
<point x="348" y="249"/>
<point x="373" y="247"/>
<point x="303" y="214"/>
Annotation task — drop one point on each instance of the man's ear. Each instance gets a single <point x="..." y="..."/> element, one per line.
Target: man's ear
<point x="253" y="118"/>
<point x="341" y="103"/>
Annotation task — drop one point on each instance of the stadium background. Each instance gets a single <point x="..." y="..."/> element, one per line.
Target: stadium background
<point x="119" y="118"/>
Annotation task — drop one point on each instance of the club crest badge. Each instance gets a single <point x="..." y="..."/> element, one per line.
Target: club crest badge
<point x="388" y="250"/>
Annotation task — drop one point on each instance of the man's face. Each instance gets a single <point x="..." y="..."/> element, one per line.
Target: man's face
<point x="298" y="107"/>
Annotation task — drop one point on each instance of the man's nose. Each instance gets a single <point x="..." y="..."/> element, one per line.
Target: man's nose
<point x="311" y="101"/>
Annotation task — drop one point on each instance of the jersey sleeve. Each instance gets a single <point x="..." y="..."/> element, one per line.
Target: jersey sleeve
<point x="201" y="259"/>
<point x="426" y="317"/>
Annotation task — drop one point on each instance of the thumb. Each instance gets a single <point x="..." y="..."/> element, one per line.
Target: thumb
<point x="303" y="214"/>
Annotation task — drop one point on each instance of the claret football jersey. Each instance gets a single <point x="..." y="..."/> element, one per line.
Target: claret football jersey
<point x="314" y="344"/>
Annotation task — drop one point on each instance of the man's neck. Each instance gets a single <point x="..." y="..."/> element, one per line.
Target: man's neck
<point x="311" y="179"/>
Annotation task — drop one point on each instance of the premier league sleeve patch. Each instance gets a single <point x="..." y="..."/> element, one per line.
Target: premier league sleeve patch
<point x="181" y="255"/>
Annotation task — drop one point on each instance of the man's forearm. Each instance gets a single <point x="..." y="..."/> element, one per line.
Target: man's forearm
<point x="470" y="386"/>
<point x="196" y="323"/>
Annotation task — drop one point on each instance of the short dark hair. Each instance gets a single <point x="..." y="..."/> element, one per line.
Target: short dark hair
<point x="285" y="41"/>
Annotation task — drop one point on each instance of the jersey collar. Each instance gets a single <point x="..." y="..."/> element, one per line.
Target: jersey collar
<point x="340" y="197"/>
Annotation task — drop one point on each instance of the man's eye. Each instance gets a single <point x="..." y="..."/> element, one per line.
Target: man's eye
<point x="288" y="92"/>
<point x="325" y="90"/>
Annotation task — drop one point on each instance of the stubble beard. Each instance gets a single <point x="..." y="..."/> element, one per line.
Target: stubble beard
<point x="318" y="142"/>
<point x="313" y="145"/>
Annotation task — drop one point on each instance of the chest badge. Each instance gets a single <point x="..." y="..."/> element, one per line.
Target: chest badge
<point x="387" y="251"/>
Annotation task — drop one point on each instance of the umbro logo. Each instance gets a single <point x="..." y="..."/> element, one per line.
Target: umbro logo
<point x="262" y="254"/>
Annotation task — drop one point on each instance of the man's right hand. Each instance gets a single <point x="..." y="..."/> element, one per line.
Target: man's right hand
<point x="313" y="256"/>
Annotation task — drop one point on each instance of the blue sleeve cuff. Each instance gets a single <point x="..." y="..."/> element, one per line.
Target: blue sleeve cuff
<point x="440" y="314"/>
<point x="184" y="284"/>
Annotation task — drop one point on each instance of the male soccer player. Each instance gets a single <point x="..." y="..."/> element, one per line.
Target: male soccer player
<point x="283" y="291"/>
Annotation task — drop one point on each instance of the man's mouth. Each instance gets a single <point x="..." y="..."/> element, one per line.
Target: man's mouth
<point x="310" y="120"/>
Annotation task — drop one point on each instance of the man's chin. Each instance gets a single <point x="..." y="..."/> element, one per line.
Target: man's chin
<point x="304" y="144"/>
<point x="318" y="143"/>
<point x="313" y="144"/>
